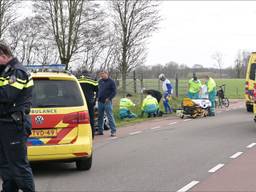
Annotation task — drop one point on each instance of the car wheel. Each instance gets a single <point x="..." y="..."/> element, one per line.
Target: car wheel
<point x="84" y="164"/>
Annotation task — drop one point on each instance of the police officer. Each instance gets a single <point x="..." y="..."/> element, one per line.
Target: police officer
<point x="89" y="85"/>
<point x="15" y="124"/>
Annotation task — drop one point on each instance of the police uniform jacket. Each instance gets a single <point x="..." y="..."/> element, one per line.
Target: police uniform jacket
<point x="90" y="88"/>
<point x="15" y="90"/>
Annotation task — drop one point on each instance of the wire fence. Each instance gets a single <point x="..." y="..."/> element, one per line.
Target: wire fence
<point x="135" y="83"/>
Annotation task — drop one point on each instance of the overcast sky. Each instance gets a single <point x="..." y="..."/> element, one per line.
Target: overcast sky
<point x="192" y="31"/>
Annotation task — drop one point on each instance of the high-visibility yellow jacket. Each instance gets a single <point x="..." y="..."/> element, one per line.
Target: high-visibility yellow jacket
<point x="150" y="104"/>
<point x="211" y="85"/>
<point x="126" y="103"/>
<point x="194" y="86"/>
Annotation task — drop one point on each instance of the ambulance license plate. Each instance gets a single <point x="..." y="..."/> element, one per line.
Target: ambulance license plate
<point x="44" y="133"/>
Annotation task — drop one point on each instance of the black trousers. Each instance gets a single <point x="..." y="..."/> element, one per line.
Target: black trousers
<point x="90" y="106"/>
<point x="15" y="169"/>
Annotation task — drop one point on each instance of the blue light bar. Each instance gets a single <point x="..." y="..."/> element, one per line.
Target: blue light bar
<point x="51" y="67"/>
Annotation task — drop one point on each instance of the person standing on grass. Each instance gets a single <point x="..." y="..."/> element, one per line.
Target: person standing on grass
<point x="106" y="92"/>
<point x="194" y="86"/>
<point x="167" y="91"/>
<point x="211" y="89"/>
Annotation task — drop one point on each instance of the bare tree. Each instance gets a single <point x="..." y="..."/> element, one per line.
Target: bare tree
<point x="70" y="22"/>
<point x="241" y="62"/>
<point x="96" y="44"/>
<point x="47" y="53"/>
<point x="133" y="22"/>
<point x="24" y="38"/>
<point x="29" y="42"/>
<point x="7" y="15"/>
<point x="218" y="57"/>
<point x="110" y="54"/>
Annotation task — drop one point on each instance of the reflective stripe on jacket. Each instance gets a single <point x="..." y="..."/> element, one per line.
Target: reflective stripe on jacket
<point x="149" y="103"/>
<point x="211" y="85"/>
<point x="126" y="103"/>
<point x="194" y="86"/>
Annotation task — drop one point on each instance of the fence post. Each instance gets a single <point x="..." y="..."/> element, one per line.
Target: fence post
<point x="134" y="82"/>
<point x="176" y="85"/>
<point x="141" y="88"/>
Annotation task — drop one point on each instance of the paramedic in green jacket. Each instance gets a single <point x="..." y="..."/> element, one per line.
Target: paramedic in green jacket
<point x="150" y="105"/>
<point x="194" y="86"/>
<point x="124" y="107"/>
<point x="211" y="88"/>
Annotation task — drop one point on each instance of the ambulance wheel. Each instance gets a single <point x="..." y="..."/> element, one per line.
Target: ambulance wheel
<point x="182" y="116"/>
<point x="249" y="108"/>
<point x="84" y="164"/>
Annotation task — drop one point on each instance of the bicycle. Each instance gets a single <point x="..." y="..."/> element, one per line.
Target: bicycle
<point x="222" y="99"/>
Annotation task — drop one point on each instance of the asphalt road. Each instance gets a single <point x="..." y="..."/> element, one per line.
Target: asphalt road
<point x="163" y="158"/>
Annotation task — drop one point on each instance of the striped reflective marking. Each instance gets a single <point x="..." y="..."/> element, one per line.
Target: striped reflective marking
<point x="61" y="134"/>
<point x="71" y="134"/>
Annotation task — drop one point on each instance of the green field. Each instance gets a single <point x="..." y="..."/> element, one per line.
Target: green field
<point x="234" y="90"/>
<point x="234" y="87"/>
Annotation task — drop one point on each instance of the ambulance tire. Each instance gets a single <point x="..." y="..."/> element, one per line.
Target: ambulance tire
<point x="84" y="164"/>
<point x="249" y="108"/>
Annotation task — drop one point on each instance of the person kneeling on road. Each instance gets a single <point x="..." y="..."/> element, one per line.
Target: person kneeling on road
<point x="124" y="107"/>
<point x="149" y="105"/>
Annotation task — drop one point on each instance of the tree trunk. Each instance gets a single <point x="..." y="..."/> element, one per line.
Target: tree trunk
<point x="65" y="61"/>
<point x="123" y="83"/>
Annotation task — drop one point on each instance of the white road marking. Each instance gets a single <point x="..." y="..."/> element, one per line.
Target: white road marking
<point x="251" y="145"/>
<point x="236" y="155"/>
<point x="172" y="123"/>
<point x="187" y="120"/>
<point x="188" y="186"/>
<point x="157" y="127"/>
<point x="217" y="167"/>
<point x="135" y="133"/>
<point x="112" y="138"/>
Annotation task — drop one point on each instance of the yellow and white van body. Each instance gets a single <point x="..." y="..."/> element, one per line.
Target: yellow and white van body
<point x="60" y="120"/>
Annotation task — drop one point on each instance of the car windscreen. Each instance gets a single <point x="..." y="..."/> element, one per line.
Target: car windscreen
<point x="56" y="93"/>
<point x="253" y="71"/>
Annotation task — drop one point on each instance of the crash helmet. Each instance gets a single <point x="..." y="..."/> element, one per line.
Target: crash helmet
<point x="161" y="76"/>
